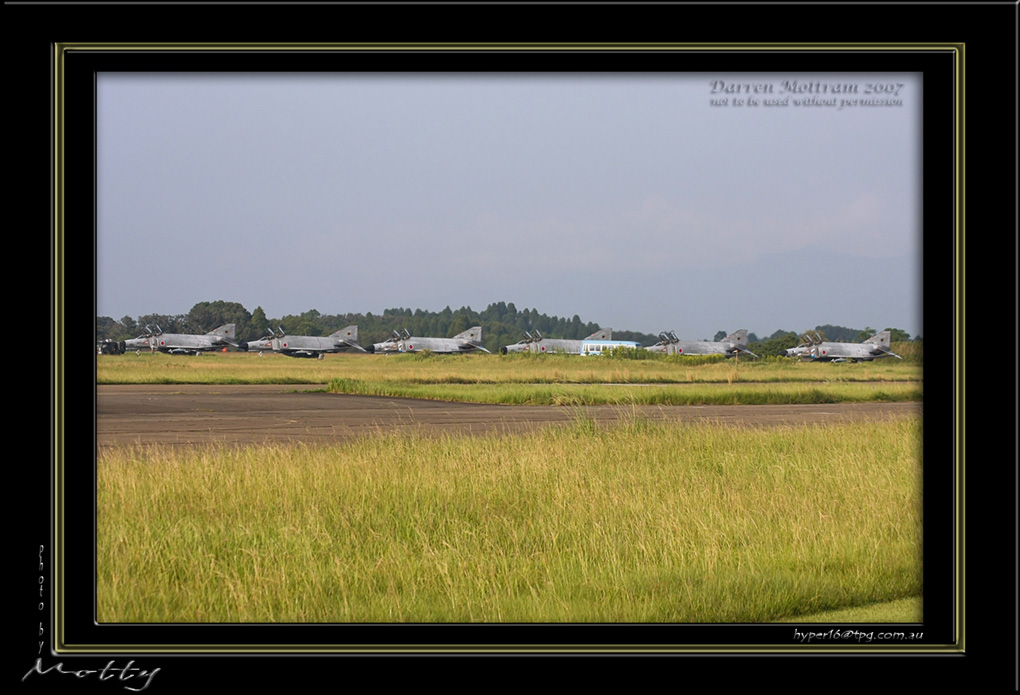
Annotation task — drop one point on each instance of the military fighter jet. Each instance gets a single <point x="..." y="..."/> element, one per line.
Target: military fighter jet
<point x="814" y="348"/>
<point x="534" y="342"/>
<point x="469" y="340"/>
<point x="732" y="345"/>
<point x="310" y="345"/>
<point x="186" y="344"/>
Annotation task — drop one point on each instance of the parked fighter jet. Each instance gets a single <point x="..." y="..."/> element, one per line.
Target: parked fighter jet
<point x="187" y="344"/>
<point x="310" y="345"/>
<point x="732" y="345"/>
<point x="534" y="342"/>
<point x="469" y="340"/>
<point x="814" y="348"/>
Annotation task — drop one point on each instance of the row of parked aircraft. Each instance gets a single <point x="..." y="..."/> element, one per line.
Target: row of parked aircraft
<point x="811" y="348"/>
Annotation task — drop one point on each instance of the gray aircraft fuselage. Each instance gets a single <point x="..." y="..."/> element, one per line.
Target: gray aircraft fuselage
<point x="732" y="345"/>
<point x="137" y="343"/>
<point x="466" y="341"/>
<point x="823" y="351"/>
<point x="188" y="344"/>
<point x="313" y="345"/>
<point x="260" y="344"/>
<point x="568" y="346"/>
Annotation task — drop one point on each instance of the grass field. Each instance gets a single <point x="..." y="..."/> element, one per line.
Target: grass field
<point x="637" y="522"/>
<point x="537" y="379"/>
<point x="642" y="522"/>
<point x="702" y="393"/>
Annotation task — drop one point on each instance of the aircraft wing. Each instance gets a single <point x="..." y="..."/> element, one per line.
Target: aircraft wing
<point x="350" y="344"/>
<point x="466" y="345"/>
<point x="887" y="351"/>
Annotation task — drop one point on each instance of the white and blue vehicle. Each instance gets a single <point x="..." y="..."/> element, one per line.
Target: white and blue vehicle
<point x="602" y="347"/>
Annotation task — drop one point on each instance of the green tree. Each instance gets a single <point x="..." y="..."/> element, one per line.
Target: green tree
<point x="775" y="345"/>
<point x="177" y="323"/>
<point x="840" y="334"/>
<point x="259" y="324"/>
<point x="206" y="316"/>
<point x="106" y="327"/>
<point x="130" y="327"/>
<point x="308" y="323"/>
<point x="459" y="324"/>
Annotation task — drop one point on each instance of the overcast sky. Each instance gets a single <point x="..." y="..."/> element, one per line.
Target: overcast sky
<point x="631" y="200"/>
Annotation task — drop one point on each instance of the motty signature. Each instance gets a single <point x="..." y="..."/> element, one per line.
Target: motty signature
<point x="127" y="673"/>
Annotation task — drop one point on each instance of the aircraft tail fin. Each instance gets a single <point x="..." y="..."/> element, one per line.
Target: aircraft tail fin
<point x="601" y="334"/>
<point x="883" y="342"/>
<point x="737" y="337"/>
<point x="350" y="334"/>
<point x="224" y="331"/>
<point x="882" y="338"/>
<point x="472" y="334"/>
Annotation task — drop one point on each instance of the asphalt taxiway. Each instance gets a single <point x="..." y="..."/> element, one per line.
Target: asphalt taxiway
<point x="256" y="414"/>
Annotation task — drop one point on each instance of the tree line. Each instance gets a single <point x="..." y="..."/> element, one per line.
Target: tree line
<point x="502" y="324"/>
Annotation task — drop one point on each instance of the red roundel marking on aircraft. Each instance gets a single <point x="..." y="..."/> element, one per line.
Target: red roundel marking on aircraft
<point x="285" y="345"/>
<point x="679" y="350"/>
<point x="162" y="342"/>
<point x="410" y="347"/>
<point x="543" y="348"/>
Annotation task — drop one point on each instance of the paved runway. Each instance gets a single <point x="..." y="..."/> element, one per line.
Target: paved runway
<point x="197" y="414"/>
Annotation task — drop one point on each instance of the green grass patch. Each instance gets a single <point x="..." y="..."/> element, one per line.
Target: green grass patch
<point x="422" y="368"/>
<point x="634" y="394"/>
<point x="537" y="379"/>
<point x="634" y="522"/>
